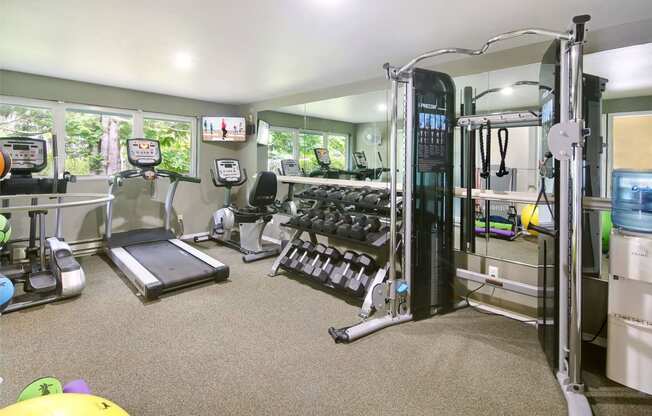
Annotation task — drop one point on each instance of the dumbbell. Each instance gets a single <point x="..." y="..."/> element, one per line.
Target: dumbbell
<point x="310" y="191"/>
<point x="358" y="284"/>
<point x="344" y="230"/>
<point x="297" y="263"/>
<point x="376" y="197"/>
<point x="296" y="247"/>
<point x="335" y="194"/>
<point x="373" y="236"/>
<point x="330" y="227"/>
<point x="322" y="192"/>
<point x="329" y="220"/>
<point x="343" y="273"/>
<point x="322" y="272"/>
<point x="310" y="266"/>
<point x="360" y="231"/>
<point x="307" y="220"/>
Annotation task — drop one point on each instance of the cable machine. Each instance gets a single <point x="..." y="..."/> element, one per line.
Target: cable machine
<point x="426" y="224"/>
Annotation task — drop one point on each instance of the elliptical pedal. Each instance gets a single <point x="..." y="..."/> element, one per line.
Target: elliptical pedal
<point x="40" y="282"/>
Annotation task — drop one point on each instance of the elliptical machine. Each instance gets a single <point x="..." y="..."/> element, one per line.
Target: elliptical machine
<point x="45" y="278"/>
<point x="242" y="228"/>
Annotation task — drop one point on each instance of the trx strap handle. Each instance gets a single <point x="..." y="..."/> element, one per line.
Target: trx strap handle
<point x="485" y="157"/>
<point x="502" y="145"/>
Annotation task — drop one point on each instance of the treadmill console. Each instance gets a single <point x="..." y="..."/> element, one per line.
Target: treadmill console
<point x="323" y="157"/>
<point x="27" y="155"/>
<point x="228" y="170"/>
<point x="360" y="160"/>
<point x="143" y="153"/>
<point x="290" y="167"/>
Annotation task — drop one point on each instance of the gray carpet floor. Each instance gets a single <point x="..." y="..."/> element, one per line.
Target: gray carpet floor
<point x="259" y="345"/>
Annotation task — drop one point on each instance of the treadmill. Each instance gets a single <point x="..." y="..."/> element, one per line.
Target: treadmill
<point x="154" y="260"/>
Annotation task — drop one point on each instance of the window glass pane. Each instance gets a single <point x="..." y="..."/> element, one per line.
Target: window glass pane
<point x="307" y="143"/>
<point x="280" y="147"/>
<point x="176" y="142"/>
<point x="337" y="151"/>
<point x="95" y="142"/>
<point x="28" y="121"/>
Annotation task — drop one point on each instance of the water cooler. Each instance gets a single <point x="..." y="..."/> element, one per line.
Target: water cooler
<point x="629" y="350"/>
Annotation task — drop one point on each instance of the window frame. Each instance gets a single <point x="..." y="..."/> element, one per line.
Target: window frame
<point x="59" y="109"/>
<point x="296" y="145"/>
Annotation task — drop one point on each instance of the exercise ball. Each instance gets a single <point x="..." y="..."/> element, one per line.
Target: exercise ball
<point x="5" y="164"/>
<point x="64" y="405"/>
<point x="77" y="386"/>
<point x="6" y="292"/>
<point x="5" y="230"/>
<point x="44" y="386"/>
<point x="605" y="220"/>
<point x="530" y="214"/>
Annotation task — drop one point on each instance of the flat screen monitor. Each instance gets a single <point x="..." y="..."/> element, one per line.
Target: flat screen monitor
<point x="223" y="129"/>
<point x="263" y="133"/>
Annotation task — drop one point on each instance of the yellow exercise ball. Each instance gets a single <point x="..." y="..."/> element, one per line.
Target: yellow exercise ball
<point x="67" y="404"/>
<point x="530" y="214"/>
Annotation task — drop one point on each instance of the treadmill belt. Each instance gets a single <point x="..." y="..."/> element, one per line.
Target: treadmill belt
<point x="170" y="264"/>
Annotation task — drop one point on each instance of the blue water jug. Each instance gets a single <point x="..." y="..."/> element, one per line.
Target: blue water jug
<point x="632" y="200"/>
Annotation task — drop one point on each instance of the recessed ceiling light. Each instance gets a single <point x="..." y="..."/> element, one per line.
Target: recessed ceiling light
<point x="183" y="60"/>
<point x="382" y="107"/>
<point x="507" y="91"/>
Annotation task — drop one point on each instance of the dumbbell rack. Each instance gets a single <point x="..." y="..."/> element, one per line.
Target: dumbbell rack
<point x="369" y="247"/>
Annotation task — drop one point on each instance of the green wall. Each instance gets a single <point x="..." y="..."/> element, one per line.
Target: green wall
<point x="627" y="105"/>
<point x="294" y="121"/>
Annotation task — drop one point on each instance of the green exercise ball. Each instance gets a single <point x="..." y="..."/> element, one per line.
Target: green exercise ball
<point x="5" y="230"/>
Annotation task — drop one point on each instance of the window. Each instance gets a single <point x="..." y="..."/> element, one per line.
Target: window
<point x="175" y="137"/>
<point x="281" y="146"/>
<point x="26" y="121"/>
<point x="95" y="142"/>
<point x="307" y="143"/>
<point x="337" y="149"/>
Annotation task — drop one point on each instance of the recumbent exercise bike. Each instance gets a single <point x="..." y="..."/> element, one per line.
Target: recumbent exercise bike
<point x="242" y="228"/>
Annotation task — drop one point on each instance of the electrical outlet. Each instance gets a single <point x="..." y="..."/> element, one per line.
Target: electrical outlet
<point x="493" y="272"/>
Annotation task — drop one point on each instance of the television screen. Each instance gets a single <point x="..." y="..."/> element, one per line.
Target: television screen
<point x="263" y="132"/>
<point x="223" y="129"/>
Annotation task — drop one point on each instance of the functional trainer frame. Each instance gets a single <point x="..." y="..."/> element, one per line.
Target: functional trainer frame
<point x="566" y="141"/>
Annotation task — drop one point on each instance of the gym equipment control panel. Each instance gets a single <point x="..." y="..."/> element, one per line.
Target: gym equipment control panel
<point x="228" y="170"/>
<point x="143" y="152"/>
<point x="26" y="154"/>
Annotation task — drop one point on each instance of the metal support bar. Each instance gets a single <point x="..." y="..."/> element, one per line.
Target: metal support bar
<point x="510" y="285"/>
<point x="508" y="119"/>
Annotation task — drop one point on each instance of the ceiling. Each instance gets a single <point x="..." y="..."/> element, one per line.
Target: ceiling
<point x="244" y="51"/>
<point x="629" y="71"/>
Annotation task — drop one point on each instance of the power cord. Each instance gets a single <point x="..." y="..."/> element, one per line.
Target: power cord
<point x="478" y="310"/>
<point x="599" y="330"/>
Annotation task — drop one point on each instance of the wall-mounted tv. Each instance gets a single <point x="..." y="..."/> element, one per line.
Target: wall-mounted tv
<point x="263" y="133"/>
<point x="224" y="129"/>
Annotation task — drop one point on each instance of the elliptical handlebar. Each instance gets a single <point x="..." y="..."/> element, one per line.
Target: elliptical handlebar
<point x="160" y="173"/>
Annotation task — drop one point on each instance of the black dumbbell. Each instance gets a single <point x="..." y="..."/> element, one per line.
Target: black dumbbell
<point x="360" y="231"/>
<point x="298" y="261"/>
<point x="310" y="192"/>
<point x="373" y="236"/>
<point x="360" y="221"/>
<point x="322" y="272"/>
<point x="358" y="284"/>
<point x="310" y="266"/>
<point x="312" y="215"/>
<point x="296" y="248"/>
<point x="329" y="220"/>
<point x="335" y="194"/>
<point x="343" y="273"/>
<point x="344" y="227"/>
<point x="322" y="192"/>
<point x="334" y="221"/>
